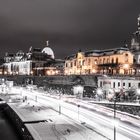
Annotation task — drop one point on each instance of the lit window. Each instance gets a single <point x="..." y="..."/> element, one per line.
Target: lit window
<point x="96" y="61"/>
<point x="112" y="60"/>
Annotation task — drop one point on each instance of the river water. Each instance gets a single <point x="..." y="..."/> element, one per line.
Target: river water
<point x="7" y="131"/>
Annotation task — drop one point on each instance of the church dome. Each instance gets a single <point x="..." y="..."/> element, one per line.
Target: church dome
<point x="48" y="51"/>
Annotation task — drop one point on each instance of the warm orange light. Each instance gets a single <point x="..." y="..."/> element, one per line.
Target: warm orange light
<point x="93" y="71"/>
<point x="126" y="66"/>
<point x="5" y="72"/>
<point x="48" y="72"/>
<point x="31" y="72"/>
<point x="56" y="72"/>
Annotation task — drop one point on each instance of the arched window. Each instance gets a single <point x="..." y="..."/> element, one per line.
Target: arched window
<point x="116" y="60"/>
<point x="66" y="64"/>
<point x="75" y="63"/>
<point x="89" y="61"/>
<point x="112" y="60"/>
<point x="107" y="60"/>
<point x="104" y="61"/>
<point x="126" y="57"/>
<point x="71" y="64"/>
<point x="96" y="62"/>
<point x="83" y="62"/>
<point x="100" y="61"/>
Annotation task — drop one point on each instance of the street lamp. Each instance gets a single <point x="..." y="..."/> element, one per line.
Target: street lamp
<point x="99" y="93"/>
<point x="114" y="117"/>
<point x="59" y="103"/>
<point x="115" y="123"/>
<point x="78" y="111"/>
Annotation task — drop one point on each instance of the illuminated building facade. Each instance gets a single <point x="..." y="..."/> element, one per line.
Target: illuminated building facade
<point x="110" y="61"/>
<point x="118" y="85"/>
<point x="36" y="62"/>
<point x="42" y="62"/>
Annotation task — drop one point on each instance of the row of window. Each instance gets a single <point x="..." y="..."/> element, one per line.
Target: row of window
<point x="119" y="84"/>
<point x="101" y="61"/>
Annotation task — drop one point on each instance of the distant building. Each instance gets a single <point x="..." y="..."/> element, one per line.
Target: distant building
<point x="35" y="62"/>
<point x="135" y="41"/>
<point x="120" y="85"/>
<point x="135" y="48"/>
<point x="109" y="61"/>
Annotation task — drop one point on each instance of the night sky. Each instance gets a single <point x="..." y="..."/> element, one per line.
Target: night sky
<point x="70" y="25"/>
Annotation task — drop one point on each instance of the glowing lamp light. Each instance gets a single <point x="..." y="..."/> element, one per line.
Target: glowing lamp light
<point x="5" y="72"/>
<point x="93" y="71"/>
<point x="48" y="72"/>
<point x="115" y="123"/>
<point x="66" y="71"/>
<point x="126" y="66"/>
<point x="138" y="91"/>
<point x="53" y="72"/>
<point x="31" y="72"/>
<point x="56" y="72"/>
<point x="111" y="91"/>
<point x="99" y="91"/>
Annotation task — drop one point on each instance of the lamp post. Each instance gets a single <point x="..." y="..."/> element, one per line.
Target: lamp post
<point x="114" y="118"/>
<point x="99" y="92"/>
<point x="59" y="104"/>
<point x="78" y="111"/>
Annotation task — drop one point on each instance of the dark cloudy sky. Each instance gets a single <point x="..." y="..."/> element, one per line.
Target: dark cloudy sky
<point x="70" y="25"/>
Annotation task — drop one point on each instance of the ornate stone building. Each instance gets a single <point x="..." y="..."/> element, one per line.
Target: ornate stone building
<point x="109" y="61"/>
<point x="37" y="61"/>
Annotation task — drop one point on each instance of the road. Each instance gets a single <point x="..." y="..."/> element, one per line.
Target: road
<point x="97" y="119"/>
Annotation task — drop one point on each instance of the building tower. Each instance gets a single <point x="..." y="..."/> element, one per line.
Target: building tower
<point x="139" y="23"/>
<point x="135" y="41"/>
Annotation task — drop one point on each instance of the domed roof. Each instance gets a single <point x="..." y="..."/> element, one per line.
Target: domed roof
<point x="20" y="53"/>
<point x="48" y="51"/>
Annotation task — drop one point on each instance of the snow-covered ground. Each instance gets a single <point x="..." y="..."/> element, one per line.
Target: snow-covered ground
<point x="44" y="123"/>
<point x="97" y="125"/>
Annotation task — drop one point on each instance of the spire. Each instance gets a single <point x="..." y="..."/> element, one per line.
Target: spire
<point x="47" y="43"/>
<point x="30" y="49"/>
<point x="138" y="23"/>
<point x="125" y="44"/>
